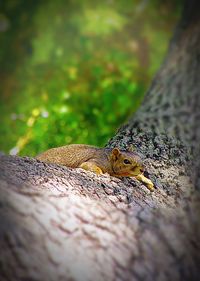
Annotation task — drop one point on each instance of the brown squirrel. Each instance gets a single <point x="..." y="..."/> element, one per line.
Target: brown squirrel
<point x="116" y="162"/>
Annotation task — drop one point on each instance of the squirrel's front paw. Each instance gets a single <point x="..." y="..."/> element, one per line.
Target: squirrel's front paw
<point x="146" y="181"/>
<point x="89" y="166"/>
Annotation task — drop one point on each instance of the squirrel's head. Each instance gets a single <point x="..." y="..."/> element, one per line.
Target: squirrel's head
<point x="126" y="163"/>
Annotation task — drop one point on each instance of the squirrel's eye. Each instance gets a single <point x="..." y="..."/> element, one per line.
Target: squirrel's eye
<point x="126" y="161"/>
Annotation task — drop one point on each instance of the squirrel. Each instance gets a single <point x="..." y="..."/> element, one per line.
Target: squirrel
<point x="116" y="162"/>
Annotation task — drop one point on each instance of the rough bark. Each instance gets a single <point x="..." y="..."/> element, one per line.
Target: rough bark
<point x="68" y="224"/>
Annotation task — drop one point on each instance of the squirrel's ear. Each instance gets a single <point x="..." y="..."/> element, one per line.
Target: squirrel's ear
<point x="131" y="148"/>
<point x="115" y="152"/>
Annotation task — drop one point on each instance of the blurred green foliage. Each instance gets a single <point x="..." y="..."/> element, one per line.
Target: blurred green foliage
<point x="73" y="71"/>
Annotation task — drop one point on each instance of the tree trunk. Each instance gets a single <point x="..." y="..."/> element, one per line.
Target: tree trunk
<point x="59" y="223"/>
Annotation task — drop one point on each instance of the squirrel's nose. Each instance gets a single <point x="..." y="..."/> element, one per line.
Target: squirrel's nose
<point x="141" y="170"/>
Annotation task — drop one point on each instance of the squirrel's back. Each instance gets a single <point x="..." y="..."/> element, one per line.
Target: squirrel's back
<point x="69" y="155"/>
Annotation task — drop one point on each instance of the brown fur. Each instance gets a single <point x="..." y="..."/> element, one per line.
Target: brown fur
<point x="118" y="163"/>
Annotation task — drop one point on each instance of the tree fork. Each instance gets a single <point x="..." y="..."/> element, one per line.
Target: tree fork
<point x="64" y="224"/>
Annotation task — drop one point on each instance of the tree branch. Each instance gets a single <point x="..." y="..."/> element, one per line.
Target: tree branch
<point x="68" y="224"/>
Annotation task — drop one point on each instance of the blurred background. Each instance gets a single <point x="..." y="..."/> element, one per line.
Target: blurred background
<point x="74" y="71"/>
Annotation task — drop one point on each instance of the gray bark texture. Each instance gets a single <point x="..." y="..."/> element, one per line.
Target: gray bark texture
<point x="59" y="223"/>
